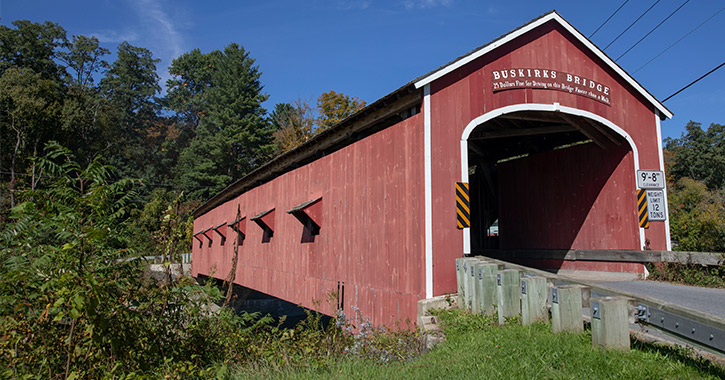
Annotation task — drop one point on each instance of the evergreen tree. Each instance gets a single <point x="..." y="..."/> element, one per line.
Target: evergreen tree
<point x="219" y="94"/>
<point x="129" y="88"/>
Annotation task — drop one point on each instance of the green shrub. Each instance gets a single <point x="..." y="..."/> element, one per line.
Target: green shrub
<point x="73" y="306"/>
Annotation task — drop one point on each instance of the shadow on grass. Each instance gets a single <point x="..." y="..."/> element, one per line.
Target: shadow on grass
<point x="686" y="355"/>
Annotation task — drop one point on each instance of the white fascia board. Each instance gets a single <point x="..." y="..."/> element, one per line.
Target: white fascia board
<point x="533" y="25"/>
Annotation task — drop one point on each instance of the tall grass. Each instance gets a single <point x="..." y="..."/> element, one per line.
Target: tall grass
<point x="477" y="348"/>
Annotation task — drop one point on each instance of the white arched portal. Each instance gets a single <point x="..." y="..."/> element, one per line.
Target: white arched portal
<point x="556" y="107"/>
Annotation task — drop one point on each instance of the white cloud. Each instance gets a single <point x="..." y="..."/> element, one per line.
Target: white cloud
<point x="426" y="4"/>
<point x="160" y="24"/>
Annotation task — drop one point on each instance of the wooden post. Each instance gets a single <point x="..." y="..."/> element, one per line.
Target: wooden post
<point x="473" y="278"/>
<point x="467" y="282"/>
<point x="566" y="308"/>
<point x="509" y="294"/>
<point x="486" y="292"/>
<point x="533" y="300"/>
<point x="459" y="280"/>
<point x="610" y="323"/>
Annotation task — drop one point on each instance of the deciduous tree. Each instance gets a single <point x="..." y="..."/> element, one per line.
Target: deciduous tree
<point x="335" y="107"/>
<point x="294" y="124"/>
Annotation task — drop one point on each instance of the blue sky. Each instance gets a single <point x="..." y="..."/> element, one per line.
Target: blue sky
<point x="368" y="48"/>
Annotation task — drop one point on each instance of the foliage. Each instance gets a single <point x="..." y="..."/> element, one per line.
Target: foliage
<point x="697" y="216"/>
<point x="73" y="306"/>
<point x="163" y="225"/>
<point x="221" y="95"/>
<point x="335" y="107"/>
<point x="294" y="124"/>
<point x="29" y="107"/>
<point x="711" y="276"/>
<point x="313" y="346"/>
<point x="699" y="155"/>
<point x="33" y="46"/>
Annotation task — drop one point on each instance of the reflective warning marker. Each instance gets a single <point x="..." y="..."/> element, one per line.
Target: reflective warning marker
<point x="463" y="205"/>
<point x="642" y="208"/>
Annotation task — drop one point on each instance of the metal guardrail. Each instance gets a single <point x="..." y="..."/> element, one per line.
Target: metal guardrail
<point x="185" y="258"/>
<point x="701" y="329"/>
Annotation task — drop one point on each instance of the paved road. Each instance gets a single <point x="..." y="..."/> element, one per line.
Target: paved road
<point x="706" y="300"/>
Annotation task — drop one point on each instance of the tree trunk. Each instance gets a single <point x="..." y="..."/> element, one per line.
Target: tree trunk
<point x="12" y="164"/>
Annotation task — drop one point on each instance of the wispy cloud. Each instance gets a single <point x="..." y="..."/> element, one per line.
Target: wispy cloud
<point x="159" y="31"/>
<point x="426" y="4"/>
<point x="157" y="19"/>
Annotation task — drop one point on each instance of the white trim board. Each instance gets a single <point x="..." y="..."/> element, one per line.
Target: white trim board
<point x="428" y="193"/>
<point x="426" y="80"/>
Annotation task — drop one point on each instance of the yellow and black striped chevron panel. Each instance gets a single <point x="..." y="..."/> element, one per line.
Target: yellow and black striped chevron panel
<point x="642" y="208"/>
<point x="463" y="205"/>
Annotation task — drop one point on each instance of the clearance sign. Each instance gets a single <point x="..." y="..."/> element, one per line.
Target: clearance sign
<point x="547" y="79"/>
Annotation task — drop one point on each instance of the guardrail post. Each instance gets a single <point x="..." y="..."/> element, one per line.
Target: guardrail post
<point x="533" y="300"/>
<point x="473" y="285"/>
<point x="467" y="268"/>
<point x="459" y="281"/>
<point x="610" y="323"/>
<point x="467" y="281"/>
<point x="509" y="294"/>
<point x="566" y="309"/>
<point x="486" y="292"/>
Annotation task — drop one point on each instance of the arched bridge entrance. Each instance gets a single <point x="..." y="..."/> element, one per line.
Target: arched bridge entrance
<point x="547" y="177"/>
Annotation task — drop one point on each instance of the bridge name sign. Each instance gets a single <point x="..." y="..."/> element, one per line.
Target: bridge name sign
<point x="547" y="79"/>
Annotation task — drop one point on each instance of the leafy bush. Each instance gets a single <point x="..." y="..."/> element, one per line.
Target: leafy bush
<point x="73" y="306"/>
<point x="691" y="274"/>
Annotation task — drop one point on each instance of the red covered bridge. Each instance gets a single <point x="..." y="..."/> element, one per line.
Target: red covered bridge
<point x="546" y="129"/>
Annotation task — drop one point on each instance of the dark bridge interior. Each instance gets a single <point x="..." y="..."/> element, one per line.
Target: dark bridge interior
<point x="515" y="136"/>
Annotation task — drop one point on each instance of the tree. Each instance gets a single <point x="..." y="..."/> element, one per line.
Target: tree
<point x="697" y="216"/>
<point x="699" y="155"/>
<point x="695" y="165"/>
<point x="33" y="46"/>
<point x="29" y="105"/>
<point x="335" y="107"/>
<point x="32" y="88"/>
<point x="129" y="89"/>
<point x="83" y="103"/>
<point x="220" y="94"/>
<point x="293" y="124"/>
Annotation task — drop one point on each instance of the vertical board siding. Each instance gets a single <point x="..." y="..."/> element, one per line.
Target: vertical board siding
<point x="371" y="235"/>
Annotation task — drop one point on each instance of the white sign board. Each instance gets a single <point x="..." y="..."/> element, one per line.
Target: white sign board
<point x="650" y="179"/>
<point x="656" y="205"/>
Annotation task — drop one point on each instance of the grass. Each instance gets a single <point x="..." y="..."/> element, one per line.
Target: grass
<point x="476" y="348"/>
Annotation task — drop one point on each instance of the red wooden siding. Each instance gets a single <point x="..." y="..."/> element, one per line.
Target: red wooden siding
<point x="371" y="234"/>
<point x="569" y="198"/>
